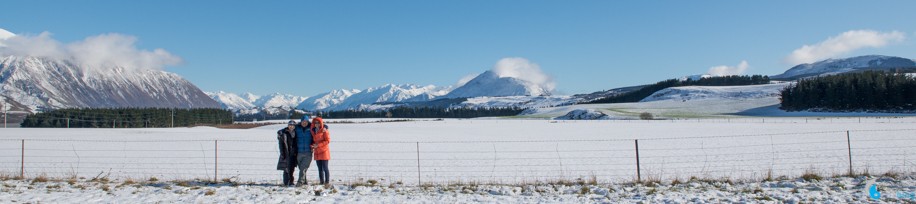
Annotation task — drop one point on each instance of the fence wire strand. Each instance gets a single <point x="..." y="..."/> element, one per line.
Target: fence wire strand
<point x="608" y="159"/>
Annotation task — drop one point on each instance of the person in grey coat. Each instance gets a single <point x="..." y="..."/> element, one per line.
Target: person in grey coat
<point x="304" y="144"/>
<point x="286" y="138"/>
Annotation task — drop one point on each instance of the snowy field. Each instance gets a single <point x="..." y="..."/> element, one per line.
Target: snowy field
<point x="500" y="152"/>
<point x="490" y="151"/>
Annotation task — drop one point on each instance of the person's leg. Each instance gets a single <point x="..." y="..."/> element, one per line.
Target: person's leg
<point x="286" y="177"/>
<point x="303" y="160"/>
<point x="320" y="164"/>
<point x="290" y="172"/>
<point x="323" y="171"/>
<point x="327" y="173"/>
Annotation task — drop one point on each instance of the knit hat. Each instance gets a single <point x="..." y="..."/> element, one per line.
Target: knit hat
<point x="291" y="122"/>
<point x="305" y="118"/>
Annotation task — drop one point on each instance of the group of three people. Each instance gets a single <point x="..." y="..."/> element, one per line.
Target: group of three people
<point x="299" y="143"/>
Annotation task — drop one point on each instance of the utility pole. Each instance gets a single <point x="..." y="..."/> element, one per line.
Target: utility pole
<point x="173" y="117"/>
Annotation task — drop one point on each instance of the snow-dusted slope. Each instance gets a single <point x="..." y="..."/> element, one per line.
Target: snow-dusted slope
<point x="326" y="100"/>
<point x="491" y="84"/>
<point x="232" y="101"/>
<point x="583" y="114"/>
<point x="687" y="93"/>
<point x="46" y="83"/>
<point x="278" y="100"/>
<point x="836" y="66"/>
<point x="388" y="93"/>
<point x="354" y="99"/>
<point x="250" y="97"/>
<point x="519" y="101"/>
<point x="682" y="102"/>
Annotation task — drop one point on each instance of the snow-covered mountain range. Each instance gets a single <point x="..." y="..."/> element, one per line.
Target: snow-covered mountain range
<point x="486" y="90"/>
<point x="234" y="101"/>
<point x="343" y="99"/>
<point x="45" y="83"/>
<point x="277" y="100"/>
<point x="852" y="64"/>
<point x="251" y="103"/>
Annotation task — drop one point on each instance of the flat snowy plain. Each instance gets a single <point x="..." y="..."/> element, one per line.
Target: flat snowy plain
<point x="500" y="152"/>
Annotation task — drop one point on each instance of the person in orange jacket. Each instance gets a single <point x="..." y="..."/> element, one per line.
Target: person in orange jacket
<point x="321" y="138"/>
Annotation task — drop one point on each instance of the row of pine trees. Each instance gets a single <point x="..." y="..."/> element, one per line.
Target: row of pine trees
<point x="866" y="91"/>
<point x="127" y="118"/>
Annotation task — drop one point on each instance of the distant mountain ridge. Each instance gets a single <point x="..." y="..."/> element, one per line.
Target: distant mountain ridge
<point x="852" y="64"/>
<point x="486" y="86"/>
<point x="43" y="83"/>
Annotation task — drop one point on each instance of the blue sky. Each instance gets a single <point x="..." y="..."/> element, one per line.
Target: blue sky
<point x="308" y="47"/>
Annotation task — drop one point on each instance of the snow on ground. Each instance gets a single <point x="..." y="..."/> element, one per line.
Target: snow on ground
<point x="828" y="190"/>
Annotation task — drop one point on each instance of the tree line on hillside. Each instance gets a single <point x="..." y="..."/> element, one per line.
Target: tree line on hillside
<point x="127" y="118"/>
<point x="865" y="91"/>
<point x="637" y="95"/>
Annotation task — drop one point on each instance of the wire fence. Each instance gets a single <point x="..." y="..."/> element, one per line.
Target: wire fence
<point x="603" y="160"/>
<point x="796" y="120"/>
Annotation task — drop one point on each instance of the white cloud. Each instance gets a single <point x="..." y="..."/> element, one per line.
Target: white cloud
<point x="723" y="70"/>
<point x="844" y="43"/>
<point x="466" y="79"/>
<point x="100" y="51"/>
<point x="4" y="34"/>
<point x="523" y="69"/>
<point x="40" y="45"/>
<point x="119" y="50"/>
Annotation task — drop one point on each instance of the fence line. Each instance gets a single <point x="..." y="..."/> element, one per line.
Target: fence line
<point x="486" y="141"/>
<point x="447" y="161"/>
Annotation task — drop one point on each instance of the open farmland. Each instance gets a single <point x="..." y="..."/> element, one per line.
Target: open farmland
<point x="493" y="151"/>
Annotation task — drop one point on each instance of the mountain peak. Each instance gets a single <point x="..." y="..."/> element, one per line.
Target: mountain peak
<point x="489" y="83"/>
<point x="842" y="65"/>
